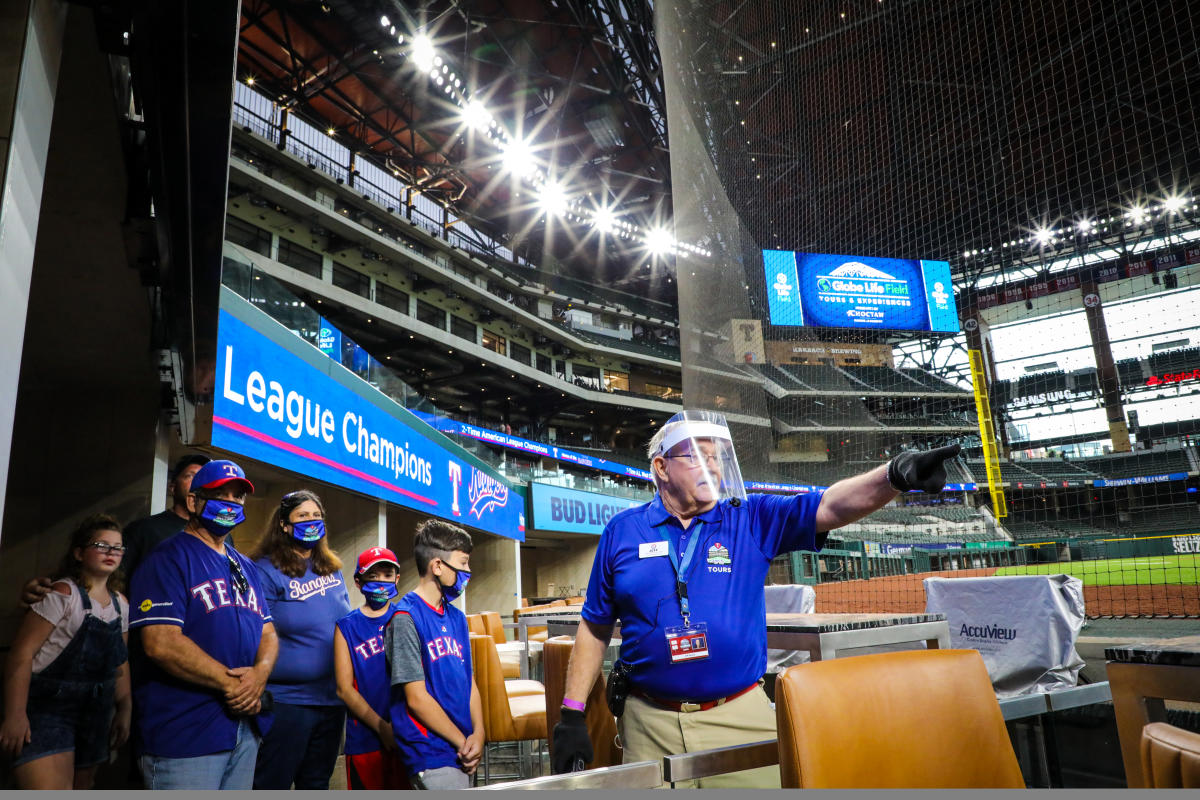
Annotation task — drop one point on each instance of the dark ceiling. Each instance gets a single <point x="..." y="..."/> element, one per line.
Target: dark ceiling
<point x="580" y="79"/>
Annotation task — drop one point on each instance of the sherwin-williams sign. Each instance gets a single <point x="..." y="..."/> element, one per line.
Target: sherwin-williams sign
<point x="573" y="511"/>
<point x="311" y="416"/>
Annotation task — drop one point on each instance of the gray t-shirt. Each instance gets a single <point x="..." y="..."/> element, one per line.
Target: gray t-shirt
<point x="403" y="647"/>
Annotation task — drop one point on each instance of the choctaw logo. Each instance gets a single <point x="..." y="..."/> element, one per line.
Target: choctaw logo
<point x="484" y="492"/>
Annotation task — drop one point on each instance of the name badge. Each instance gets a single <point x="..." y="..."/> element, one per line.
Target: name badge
<point x="687" y="643"/>
<point x="652" y="549"/>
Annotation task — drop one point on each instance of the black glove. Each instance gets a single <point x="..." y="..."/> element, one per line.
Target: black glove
<point x="572" y="747"/>
<point x="921" y="469"/>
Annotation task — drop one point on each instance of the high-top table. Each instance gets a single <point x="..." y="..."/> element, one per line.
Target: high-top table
<point x="1142" y="675"/>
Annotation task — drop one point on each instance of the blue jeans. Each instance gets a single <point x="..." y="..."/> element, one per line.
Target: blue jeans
<point x="301" y="748"/>
<point x="229" y="769"/>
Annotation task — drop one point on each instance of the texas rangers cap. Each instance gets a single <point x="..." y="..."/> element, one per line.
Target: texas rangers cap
<point x="218" y="473"/>
<point x="373" y="556"/>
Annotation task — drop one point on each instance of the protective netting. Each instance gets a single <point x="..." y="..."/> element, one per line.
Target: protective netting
<point x="1050" y="154"/>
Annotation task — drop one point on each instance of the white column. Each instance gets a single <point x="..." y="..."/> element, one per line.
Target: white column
<point x="160" y="476"/>
<point x="21" y="194"/>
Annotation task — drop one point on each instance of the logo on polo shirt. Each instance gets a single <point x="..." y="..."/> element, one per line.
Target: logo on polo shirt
<point x="719" y="558"/>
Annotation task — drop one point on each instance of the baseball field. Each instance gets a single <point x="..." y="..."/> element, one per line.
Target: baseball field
<point x="1137" y="571"/>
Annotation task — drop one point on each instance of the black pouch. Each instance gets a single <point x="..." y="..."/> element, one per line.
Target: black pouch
<point x="617" y="688"/>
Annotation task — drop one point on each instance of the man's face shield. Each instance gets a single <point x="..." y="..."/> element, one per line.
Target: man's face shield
<point x="700" y="458"/>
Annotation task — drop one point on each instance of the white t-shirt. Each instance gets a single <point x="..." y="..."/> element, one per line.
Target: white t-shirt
<point x="65" y="612"/>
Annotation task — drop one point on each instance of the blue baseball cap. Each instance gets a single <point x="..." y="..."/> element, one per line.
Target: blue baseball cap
<point x="218" y="473"/>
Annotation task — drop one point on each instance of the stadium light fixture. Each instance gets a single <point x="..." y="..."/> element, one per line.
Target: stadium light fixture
<point x="384" y="22"/>
<point x="659" y="241"/>
<point x="553" y="199"/>
<point x="475" y="115"/>
<point x="1043" y="236"/>
<point x="1174" y="203"/>
<point x="518" y="158"/>
<point x="604" y="220"/>
<point x="422" y="53"/>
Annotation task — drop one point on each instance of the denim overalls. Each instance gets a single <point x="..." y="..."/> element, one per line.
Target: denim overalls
<point x="71" y="701"/>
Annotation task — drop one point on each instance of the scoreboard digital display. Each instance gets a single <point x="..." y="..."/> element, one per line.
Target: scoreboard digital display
<point x="832" y="291"/>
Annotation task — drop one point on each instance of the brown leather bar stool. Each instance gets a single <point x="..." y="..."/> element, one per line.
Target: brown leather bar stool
<point x="1170" y="757"/>
<point x="601" y="724"/>
<point x="507" y="718"/>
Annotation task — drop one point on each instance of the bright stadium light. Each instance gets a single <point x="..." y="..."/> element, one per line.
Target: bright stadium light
<point x="1043" y="236"/>
<point x="384" y="22"/>
<point x="422" y="53"/>
<point x="476" y="116"/>
<point x="518" y="158"/>
<point x="604" y="220"/>
<point x="1174" y="203"/>
<point x="553" y="199"/>
<point x="659" y="241"/>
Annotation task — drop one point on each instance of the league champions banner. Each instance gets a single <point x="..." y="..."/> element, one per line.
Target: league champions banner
<point x="277" y="406"/>
<point x="833" y="291"/>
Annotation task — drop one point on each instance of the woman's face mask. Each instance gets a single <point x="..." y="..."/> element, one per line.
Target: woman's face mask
<point x="308" y="532"/>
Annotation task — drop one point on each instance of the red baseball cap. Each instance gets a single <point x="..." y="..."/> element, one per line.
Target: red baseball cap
<point x="373" y="556"/>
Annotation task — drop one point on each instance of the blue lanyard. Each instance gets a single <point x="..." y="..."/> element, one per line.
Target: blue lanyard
<point x="683" y="566"/>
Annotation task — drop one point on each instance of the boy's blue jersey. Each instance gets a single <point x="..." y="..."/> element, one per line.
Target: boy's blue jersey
<point x="445" y="660"/>
<point x="364" y="639"/>
<point x="185" y="583"/>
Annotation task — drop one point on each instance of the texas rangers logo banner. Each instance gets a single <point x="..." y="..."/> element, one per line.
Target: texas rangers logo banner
<point x="274" y="405"/>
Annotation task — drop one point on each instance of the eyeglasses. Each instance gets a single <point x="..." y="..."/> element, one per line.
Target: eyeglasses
<point x="105" y="548"/>
<point x="695" y="459"/>
<point x="235" y="573"/>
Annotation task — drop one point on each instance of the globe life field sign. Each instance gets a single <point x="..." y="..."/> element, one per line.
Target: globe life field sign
<point x="832" y="291"/>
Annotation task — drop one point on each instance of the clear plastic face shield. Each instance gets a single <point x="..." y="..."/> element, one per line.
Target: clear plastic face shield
<point x="700" y="456"/>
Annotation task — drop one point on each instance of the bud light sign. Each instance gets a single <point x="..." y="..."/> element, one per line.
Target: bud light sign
<point x="572" y="511"/>
<point x="279" y="401"/>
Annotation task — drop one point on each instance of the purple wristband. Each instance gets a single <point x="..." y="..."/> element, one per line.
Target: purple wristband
<point x="574" y="705"/>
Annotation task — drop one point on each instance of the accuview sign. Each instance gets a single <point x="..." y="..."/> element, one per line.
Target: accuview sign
<point x="309" y="415"/>
<point x="556" y="508"/>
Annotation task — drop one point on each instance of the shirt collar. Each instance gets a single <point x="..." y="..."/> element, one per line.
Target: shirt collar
<point x="657" y="513"/>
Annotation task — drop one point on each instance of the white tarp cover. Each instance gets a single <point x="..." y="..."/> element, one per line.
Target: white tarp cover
<point x="788" y="599"/>
<point x="1024" y="626"/>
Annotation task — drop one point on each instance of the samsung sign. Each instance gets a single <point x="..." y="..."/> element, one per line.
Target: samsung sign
<point x="859" y="292"/>
<point x="573" y="511"/>
<point x="273" y="405"/>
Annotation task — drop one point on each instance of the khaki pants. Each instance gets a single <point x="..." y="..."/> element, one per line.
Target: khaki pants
<point x="649" y="732"/>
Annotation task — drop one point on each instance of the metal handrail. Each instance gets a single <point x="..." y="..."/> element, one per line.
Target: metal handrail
<point x="639" y="775"/>
<point x="721" y="760"/>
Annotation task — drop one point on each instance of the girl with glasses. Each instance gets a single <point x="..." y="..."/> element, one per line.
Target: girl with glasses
<point x="66" y="681"/>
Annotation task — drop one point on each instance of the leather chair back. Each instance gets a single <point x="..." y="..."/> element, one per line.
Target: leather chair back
<point x="917" y="719"/>
<point x="1170" y="756"/>
<point x="601" y="725"/>
<point x="502" y="722"/>
<point x="475" y="623"/>
<point x="493" y="626"/>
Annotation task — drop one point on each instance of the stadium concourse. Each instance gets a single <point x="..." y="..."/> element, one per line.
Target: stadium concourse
<point x="461" y="260"/>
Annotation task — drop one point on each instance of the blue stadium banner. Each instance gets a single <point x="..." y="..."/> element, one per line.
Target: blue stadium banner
<point x="837" y="291"/>
<point x="1141" y="479"/>
<point x="278" y="400"/>
<point x="556" y="508"/>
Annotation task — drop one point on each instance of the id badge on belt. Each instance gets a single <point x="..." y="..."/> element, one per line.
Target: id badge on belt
<point x="687" y="642"/>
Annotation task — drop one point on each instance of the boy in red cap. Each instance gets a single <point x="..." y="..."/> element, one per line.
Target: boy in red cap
<point x="372" y="756"/>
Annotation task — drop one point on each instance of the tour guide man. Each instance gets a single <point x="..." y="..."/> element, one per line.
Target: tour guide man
<point x="684" y="574"/>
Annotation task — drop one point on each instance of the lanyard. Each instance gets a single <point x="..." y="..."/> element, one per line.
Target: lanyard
<point x="683" y="567"/>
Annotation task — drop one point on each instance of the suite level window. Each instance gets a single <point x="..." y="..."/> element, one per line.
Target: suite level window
<point x="392" y="298"/>
<point x="249" y="236"/>
<point x="462" y="328"/>
<point x="431" y="314"/>
<point x="300" y="258"/>
<point x="519" y="352"/>
<point x="665" y="392"/>
<point x="616" y="381"/>
<point x="495" y="343"/>
<point x="352" y="281"/>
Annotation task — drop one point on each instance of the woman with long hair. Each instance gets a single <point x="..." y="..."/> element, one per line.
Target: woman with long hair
<point x="302" y="579"/>
<point x="66" y="680"/>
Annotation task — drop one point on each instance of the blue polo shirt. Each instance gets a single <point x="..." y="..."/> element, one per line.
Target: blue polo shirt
<point x="725" y="589"/>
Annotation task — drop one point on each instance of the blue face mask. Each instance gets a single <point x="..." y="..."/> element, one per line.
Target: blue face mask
<point x="219" y="517"/>
<point x="451" y="593"/>
<point x="309" y="532"/>
<point x="379" y="593"/>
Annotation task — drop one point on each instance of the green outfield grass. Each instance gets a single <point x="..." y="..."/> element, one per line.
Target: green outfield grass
<point x="1139" y="571"/>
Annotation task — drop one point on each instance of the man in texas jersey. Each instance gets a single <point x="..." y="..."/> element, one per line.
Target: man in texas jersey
<point x="208" y="636"/>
